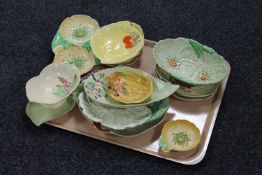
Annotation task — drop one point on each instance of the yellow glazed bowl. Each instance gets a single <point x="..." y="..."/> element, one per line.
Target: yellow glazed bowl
<point x="53" y="85"/>
<point x="129" y="87"/>
<point x="77" y="56"/>
<point x="179" y="135"/>
<point x="117" y="43"/>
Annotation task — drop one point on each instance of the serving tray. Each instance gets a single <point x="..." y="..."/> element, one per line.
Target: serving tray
<point x="202" y="113"/>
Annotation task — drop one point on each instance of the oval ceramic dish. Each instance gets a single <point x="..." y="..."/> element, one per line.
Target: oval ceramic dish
<point x="118" y="43"/>
<point x="128" y="121"/>
<point x="179" y="135"/>
<point x="77" y="56"/>
<point x="187" y="90"/>
<point x="75" y="30"/>
<point x="54" y="84"/>
<point x="189" y="61"/>
<point x="96" y="88"/>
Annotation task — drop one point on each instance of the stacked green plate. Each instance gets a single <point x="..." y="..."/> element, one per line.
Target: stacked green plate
<point x="197" y="68"/>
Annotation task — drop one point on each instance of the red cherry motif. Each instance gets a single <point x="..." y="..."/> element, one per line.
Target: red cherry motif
<point x="127" y="40"/>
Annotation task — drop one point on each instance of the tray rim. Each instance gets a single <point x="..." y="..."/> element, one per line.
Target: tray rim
<point x="214" y="111"/>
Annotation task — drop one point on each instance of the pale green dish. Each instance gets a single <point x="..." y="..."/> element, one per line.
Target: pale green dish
<point x="189" y="61"/>
<point x="96" y="85"/>
<point x="186" y="90"/>
<point x="40" y="114"/>
<point x="128" y="121"/>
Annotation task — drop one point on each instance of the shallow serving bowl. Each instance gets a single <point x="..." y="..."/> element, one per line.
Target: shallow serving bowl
<point x="189" y="61"/>
<point x="118" y="43"/>
<point x="53" y="85"/>
<point x="96" y="88"/>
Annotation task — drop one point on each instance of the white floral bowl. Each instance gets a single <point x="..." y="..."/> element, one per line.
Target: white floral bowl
<point x="53" y="85"/>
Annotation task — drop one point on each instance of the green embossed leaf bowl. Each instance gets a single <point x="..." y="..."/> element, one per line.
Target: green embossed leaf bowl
<point x="53" y="85"/>
<point x="75" y="30"/>
<point x="124" y="86"/>
<point x="189" y="61"/>
<point x="129" y="121"/>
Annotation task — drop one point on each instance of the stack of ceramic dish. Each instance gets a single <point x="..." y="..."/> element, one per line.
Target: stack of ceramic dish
<point x="71" y="44"/>
<point x="198" y="69"/>
<point x="124" y="100"/>
<point x="49" y="93"/>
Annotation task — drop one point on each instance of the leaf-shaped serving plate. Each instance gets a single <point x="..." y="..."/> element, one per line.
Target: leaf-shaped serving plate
<point x="186" y="90"/>
<point x="75" y="30"/>
<point x="117" y="43"/>
<point x="96" y="88"/>
<point x="55" y="83"/>
<point x="179" y="135"/>
<point x="127" y="121"/>
<point x="77" y="56"/>
<point x="39" y="114"/>
<point x="189" y="61"/>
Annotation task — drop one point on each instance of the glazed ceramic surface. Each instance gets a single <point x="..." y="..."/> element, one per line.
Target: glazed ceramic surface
<point x="55" y="83"/>
<point x="39" y="114"/>
<point x="96" y="88"/>
<point x="186" y="90"/>
<point x="75" y="30"/>
<point x="123" y="121"/>
<point x="189" y="61"/>
<point x="129" y="86"/>
<point x="179" y="135"/>
<point x="118" y="42"/>
<point x="77" y="56"/>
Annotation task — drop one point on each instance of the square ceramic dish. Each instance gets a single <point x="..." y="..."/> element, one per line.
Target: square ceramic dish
<point x="202" y="113"/>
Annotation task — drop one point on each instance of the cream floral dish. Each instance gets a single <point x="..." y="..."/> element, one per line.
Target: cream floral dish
<point x="77" y="56"/>
<point x="53" y="85"/>
<point x="124" y="86"/>
<point x="179" y="135"/>
<point x="75" y="30"/>
<point x="129" y="121"/>
<point x="118" y="43"/>
<point x="189" y="61"/>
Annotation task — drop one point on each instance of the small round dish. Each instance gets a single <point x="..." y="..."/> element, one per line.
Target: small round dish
<point x="53" y="85"/>
<point x="187" y="90"/>
<point x="39" y="114"/>
<point x="179" y="135"/>
<point x="189" y="61"/>
<point x="77" y="56"/>
<point x="118" y="43"/>
<point x="75" y="30"/>
<point x="129" y="86"/>
<point x="96" y="88"/>
<point x="130" y="121"/>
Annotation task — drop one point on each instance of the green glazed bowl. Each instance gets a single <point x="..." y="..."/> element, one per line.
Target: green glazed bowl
<point x="189" y="61"/>
<point x="187" y="90"/>
<point x="128" y="121"/>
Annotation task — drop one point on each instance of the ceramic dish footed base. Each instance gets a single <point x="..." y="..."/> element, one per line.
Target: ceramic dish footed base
<point x="202" y="113"/>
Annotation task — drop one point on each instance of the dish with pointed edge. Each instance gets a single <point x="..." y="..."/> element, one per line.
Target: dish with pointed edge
<point x="189" y="61"/>
<point x="118" y="43"/>
<point x="53" y="85"/>
<point x="77" y="56"/>
<point x="40" y="114"/>
<point x="196" y="92"/>
<point x="75" y="30"/>
<point x="128" y="121"/>
<point x="96" y="88"/>
<point x="179" y="135"/>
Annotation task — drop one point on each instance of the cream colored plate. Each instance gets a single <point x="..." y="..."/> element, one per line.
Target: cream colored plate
<point x="202" y="113"/>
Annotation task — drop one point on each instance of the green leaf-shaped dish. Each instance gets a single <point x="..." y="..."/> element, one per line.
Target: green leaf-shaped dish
<point x="128" y="121"/>
<point x="96" y="88"/>
<point x="189" y="61"/>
